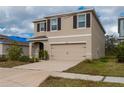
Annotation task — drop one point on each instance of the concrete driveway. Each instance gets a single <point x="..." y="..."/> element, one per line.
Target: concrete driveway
<point x="31" y="75"/>
<point x="50" y="65"/>
<point x="10" y="77"/>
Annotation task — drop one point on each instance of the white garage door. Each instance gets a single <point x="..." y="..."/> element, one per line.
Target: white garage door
<point x="68" y="51"/>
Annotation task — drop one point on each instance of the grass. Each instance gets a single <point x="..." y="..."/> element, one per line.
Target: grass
<point x="62" y="82"/>
<point x="105" y="67"/>
<point x="9" y="64"/>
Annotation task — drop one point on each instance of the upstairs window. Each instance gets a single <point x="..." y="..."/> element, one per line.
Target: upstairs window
<point x="54" y="24"/>
<point x="42" y="26"/>
<point x="81" y="21"/>
<point x="121" y="32"/>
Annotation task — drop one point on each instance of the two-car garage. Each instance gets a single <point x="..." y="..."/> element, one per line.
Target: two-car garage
<point x="68" y="51"/>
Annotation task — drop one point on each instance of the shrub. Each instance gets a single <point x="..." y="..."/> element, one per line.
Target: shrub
<point x="110" y="57"/>
<point x="120" y="53"/>
<point x="3" y="58"/>
<point x="104" y="59"/>
<point x="87" y="61"/>
<point x="41" y="54"/>
<point x="36" y="59"/>
<point x="24" y="59"/>
<point x="44" y="55"/>
<point x="33" y="59"/>
<point x="14" y="52"/>
<point x="120" y="59"/>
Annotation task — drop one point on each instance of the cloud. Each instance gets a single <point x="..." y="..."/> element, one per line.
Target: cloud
<point x="18" y="20"/>
<point x="109" y="17"/>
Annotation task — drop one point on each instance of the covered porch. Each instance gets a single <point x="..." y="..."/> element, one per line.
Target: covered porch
<point x="37" y="44"/>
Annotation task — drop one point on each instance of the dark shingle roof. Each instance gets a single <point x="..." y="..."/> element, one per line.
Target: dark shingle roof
<point x="39" y="37"/>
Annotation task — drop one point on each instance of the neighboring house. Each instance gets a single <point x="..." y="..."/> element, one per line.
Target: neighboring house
<point x="121" y="28"/>
<point x="71" y="36"/>
<point x="7" y="41"/>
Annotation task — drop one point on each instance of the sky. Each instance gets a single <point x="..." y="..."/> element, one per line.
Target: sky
<point x="17" y="20"/>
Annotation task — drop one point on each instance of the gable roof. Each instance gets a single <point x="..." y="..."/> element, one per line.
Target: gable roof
<point x="9" y="40"/>
<point x="62" y="14"/>
<point x="70" y="13"/>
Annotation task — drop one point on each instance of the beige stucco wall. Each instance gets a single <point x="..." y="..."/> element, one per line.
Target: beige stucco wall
<point x="5" y="47"/>
<point x="98" y="40"/>
<point x="25" y="50"/>
<point x="1" y="49"/>
<point x="95" y="40"/>
<point x="66" y="28"/>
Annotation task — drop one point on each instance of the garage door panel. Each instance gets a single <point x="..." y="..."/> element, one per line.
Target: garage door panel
<point x="68" y="51"/>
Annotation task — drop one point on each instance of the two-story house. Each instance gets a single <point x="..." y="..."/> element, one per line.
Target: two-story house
<point x="70" y="36"/>
<point x="121" y="29"/>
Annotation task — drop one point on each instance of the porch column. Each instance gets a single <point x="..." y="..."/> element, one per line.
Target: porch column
<point x="30" y="49"/>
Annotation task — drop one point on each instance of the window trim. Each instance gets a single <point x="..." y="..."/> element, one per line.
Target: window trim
<point x="40" y="26"/>
<point x="51" y="24"/>
<point x="78" y="21"/>
<point x="121" y="28"/>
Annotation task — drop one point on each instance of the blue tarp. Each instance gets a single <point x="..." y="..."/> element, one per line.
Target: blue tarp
<point x="19" y="39"/>
<point x="81" y="8"/>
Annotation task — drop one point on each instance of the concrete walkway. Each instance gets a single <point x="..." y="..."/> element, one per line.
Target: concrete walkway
<point x="114" y="79"/>
<point x="88" y="77"/>
<point x="12" y="77"/>
<point x="77" y="76"/>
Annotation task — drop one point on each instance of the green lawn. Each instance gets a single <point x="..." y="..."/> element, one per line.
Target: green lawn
<point x="61" y="82"/>
<point x="9" y="64"/>
<point x="97" y="67"/>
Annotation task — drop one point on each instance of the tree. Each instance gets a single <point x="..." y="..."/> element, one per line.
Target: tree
<point x="14" y="51"/>
<point x="110" y="45"/>
<point x="120" y="52"/>
<point x="120" y="49"/>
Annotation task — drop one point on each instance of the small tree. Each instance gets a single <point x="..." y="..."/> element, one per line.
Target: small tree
<point x="120" y="52"/>
<point x="14" y="52"/>
<point x="110" y="47"/>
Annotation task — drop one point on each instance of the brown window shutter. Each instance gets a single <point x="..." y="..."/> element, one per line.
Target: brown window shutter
<point x="38" y="27"/>
<point x="88" y="20"/>
<point x="118" y="25"/>
<point x="59" y="23"/>
<point x="74" y="21"/>
<point x="48" y="25"/>
<point x="45" y="26"/>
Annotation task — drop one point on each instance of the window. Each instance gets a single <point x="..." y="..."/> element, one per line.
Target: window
<point x="121" y="27"/>
<point x="38" y="27"/>
<point x="54" y="24"/>
<point x="42" y="26"/>
<point x="81" y="21"/>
